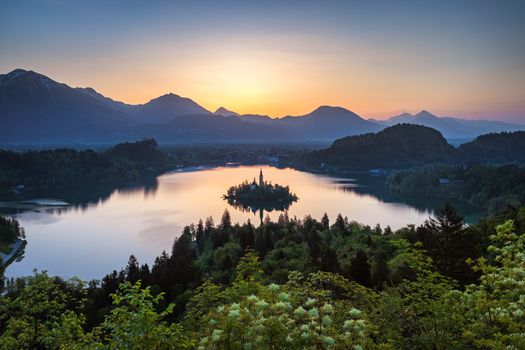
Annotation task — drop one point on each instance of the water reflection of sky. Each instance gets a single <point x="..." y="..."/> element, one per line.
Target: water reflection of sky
<point x="101" y="227"/>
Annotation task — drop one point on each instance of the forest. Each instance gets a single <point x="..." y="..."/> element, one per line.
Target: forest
<point x="122" y="163"/>
<point x="291" y="284"/>
<point x="492" y="187"/>
<point x="406" y="146"/>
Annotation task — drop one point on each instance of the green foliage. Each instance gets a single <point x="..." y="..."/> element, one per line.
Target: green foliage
<point x="496" y="148"/>
<point x="10" y="230"/>
<point x="134" y="323"/>
<point x="413" y="313"/>
<point x="276" y="294"/>
<point x="491" y="187"/>
<point x="303" y="314"/>
<point x="399" y="146"/>
<point x="42" y="313"/>
<point x="67" y="167"/>
<point x="492" y="312"/>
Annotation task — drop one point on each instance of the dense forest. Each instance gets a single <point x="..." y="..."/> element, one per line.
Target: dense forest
<point x="495" y="148"/>
<point x="405" y="146"/>
<point x="292" y="284"/>
<point x="492" y="187"/>
<point x="399" y="146"/>
<point x="123" y="163"/>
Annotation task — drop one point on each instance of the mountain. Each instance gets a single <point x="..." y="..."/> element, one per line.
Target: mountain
<point x="453" y="128"/>
<point x="399" y="146"/>
<point x="35" y="109"/>
<point x="224" y="112"/>
<point x="117" y="105"/>
<point x="164" y="108"/>
<point x="328" y="123"/>
<point x="210" y="128"/>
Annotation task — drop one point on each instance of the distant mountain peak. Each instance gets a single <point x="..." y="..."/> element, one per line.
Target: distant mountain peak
<point x="16" y="72"/>
<point x="425" y="114"/>
<point x="225" y="112"/>
<point x="326" y="108"/>
<point x="168" y="96"/>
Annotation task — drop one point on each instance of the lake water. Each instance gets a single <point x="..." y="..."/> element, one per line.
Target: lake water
<point x="88" y="232"/>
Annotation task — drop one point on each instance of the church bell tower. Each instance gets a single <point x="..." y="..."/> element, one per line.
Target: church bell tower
<point x="261" y="179"/>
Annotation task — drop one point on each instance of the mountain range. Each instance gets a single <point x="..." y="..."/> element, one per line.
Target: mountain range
<point x="452" y="128"/>
<point x="35" y="109"/>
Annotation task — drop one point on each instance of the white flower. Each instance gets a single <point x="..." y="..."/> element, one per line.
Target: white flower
<point x="310" y="302"/>
<point x="313" y="312"/>
<point x="327" y="321"/>
<point x="329" y="340"/>
<point x="355" y="313"/>
<point x="300" y="311"/>
<point x="216" y="335"/>
<point x="283" y="297"/>
<point x="261" y="304"/>
<point x="327" y="308"/>
<point x="234" y="313"/>
<point x="274" y="287"/>
<point x="252" y="298"/>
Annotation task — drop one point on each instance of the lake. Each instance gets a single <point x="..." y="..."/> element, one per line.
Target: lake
<point x="90" y="231"/>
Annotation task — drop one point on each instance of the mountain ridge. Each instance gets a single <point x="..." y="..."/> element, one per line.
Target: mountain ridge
<point x="37" y="109"/>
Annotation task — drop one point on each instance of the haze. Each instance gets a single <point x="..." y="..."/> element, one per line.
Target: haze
<point x="379" y="58"/>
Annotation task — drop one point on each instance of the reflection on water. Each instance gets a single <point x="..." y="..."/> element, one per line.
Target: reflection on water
<point x="101" y="226"/>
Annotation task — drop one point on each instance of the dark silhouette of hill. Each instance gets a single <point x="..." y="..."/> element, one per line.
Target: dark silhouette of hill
<point x="327" y="123"/>
<point x="215" y="129"/>
<point x="399" y="146"/>
<point x="502" y="147"/>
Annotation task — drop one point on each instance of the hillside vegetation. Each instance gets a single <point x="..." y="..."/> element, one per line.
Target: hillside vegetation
<point x="491" y="187"/>
<point x="405" y="145"/>
<point x="67" y="167"/>
<point x="291" y="284"/>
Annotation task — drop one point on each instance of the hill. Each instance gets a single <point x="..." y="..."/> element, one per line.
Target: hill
<point x="210" y="128"/>
<point x="327" y="123"/>
<point x="124" y="163"/>
<point x="399" y="146"/>
<point x="504" y="147"/>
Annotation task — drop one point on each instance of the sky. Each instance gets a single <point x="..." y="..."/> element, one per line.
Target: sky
<point x="377" y="58"/>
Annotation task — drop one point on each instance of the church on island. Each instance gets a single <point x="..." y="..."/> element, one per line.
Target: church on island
<point x="261" y="184"/>
<point x="259" y="192"/>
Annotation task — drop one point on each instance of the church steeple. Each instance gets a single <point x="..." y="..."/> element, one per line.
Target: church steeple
<point x="261" y="179"/>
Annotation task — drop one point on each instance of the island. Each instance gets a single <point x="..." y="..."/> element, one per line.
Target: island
<point x="260" y="196"/>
